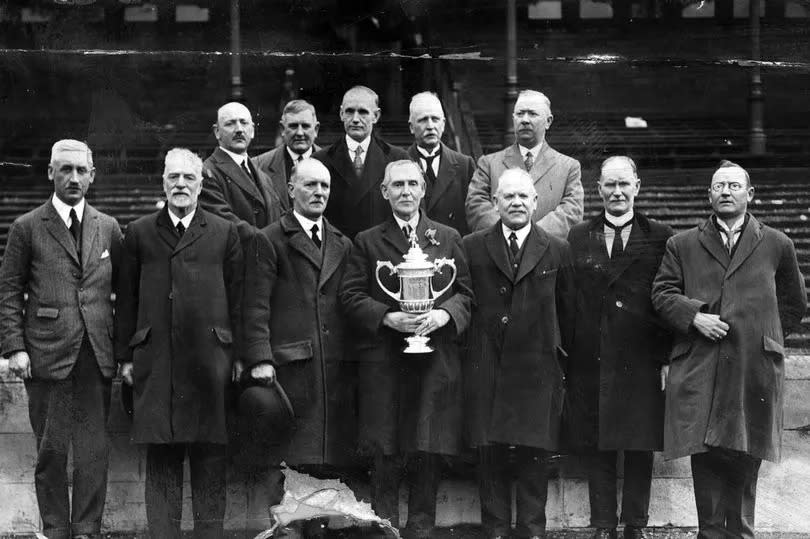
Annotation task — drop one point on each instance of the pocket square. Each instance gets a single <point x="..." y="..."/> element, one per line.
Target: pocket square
<point x="105" y="254"/>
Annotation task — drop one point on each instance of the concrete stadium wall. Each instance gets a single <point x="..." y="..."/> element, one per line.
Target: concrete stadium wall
<point x="783" y="492"/>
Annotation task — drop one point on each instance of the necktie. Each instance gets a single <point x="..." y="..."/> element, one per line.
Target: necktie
<point x="246" y="168"/>
<point x="407" y="231"/>
<point x="358" y="162"/>
<point x="315" y="237"/>
<point x="513" y="245"/>
<point x="729" y="236"/>
<point x="76" y="229"/>
<point x="430" y="175"/>
<point x="181" y="229"/>
<point x="529" y="161"/>
<point x="617" y="248"/>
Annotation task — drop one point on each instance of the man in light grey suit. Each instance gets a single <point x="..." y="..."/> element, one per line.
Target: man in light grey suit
<point x="59" y="338"/>
<point x="299" y="129"/>
<point x="557" y="177"/>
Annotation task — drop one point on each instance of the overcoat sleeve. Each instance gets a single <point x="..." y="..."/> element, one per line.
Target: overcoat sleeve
<point x="364" y="312"/>
<point x="668" y="297"/>
<point x="261" y="271"/>
<point x="14" y="275"/>
<point x="127" y="296"/>
<point x="215" y="198"/>
<point x="790" y="291"/>
<point x="459" y="305"/>
<point x="234" y="273"/>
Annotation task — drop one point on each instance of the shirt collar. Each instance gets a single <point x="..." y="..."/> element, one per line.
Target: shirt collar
<point x="535" y="150"/>
<point x="307" y="224"/>
<point x="238" y="159"/>
<point x="413" y="222"/>
<point x="64" y="210"/>
<point x="185" y="220"/>
<point x="620" y="220"/>
<point x="520" y="233"/>
<point x="353" y="144"/>
<point x="424" y="153"/>
<point x="294" y="156"/>
<point x="736" y="228"/>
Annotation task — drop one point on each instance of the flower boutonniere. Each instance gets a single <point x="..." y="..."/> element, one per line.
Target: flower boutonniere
<point x="430" y="235"/>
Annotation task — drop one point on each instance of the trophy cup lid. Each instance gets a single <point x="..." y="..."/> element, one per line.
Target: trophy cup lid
<point x="415" y="258"/>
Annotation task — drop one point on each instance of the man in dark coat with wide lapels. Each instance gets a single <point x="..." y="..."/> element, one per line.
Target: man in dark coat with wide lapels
<point x="731" y="290"/>
<point x="410" y="404"/>
<point x="356" y="165"/>
<point x="56" y="314"/>
<point x="615" y="399"/>
<point x="447" y="171"/>
<point x="514" y="373"/>
<point x="177" y="313"/>
<point x="234" y="188"/>
<point x="293" y="327"/>
<point x="299" y="128"/>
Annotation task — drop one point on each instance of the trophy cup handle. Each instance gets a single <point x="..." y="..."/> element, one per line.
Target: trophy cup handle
<point x="393" y="270"/>
<point x="437" y="265"/>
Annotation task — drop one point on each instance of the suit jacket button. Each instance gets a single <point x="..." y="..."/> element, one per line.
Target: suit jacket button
<point x="502" y="290"/>
<point x="171" y="295"/>
<point x="505" y="320"/>
<point x="619" y="304"/>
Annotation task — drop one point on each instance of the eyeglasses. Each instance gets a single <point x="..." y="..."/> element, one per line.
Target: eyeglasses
<point x="732" y="186"/>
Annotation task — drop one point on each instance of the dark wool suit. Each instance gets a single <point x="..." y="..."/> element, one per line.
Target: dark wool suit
<point x="251" y="203"/>
<point x="444" y="201"/>
<point x="277" y="165"/>
<point x="614" y="401"/>
<point x="65" y="326"/>
<point x="514" y="373"/>
<point x="724" y="399"/>
<point x="177" y="314"/>
<point x="356" y="204"/>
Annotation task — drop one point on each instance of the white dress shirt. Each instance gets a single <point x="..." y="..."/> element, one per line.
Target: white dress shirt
<point x="294" y="156"/>
<point x="307" y="225"/>
<point x="733" y="232"/>
<point x="535" y="151"/>
<point x="412" y="222"/>
<point x="353" y="144"/>
<point x="64" y="210"/>
<point x="520" y="234"/>
<point x="185" y="220"/>
<point x="610" y="233"/>
<point x="237" y="158"/>
<point x="435" y="164"/>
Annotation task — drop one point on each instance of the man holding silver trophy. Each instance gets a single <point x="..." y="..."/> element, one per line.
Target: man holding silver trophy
<point x="410" y="403"/>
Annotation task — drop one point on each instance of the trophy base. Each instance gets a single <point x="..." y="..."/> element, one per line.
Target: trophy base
<point x="418" y="344"/>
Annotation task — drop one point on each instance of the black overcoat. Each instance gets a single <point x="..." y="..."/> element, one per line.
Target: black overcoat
<point x="514" y="374"/>
<point x="178" y="307"/>
<point x="614" y="398"/>
<point x="292" y="319"/>
<point x="407" y="402"/>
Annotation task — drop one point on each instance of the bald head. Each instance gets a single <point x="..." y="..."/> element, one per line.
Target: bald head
<point x="426" y="120"/>
<point x="234" y="128"/>
<point x="309" y="188"/>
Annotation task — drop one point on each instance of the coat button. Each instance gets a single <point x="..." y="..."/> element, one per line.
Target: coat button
<point x="505" y="320"/>
<point x="619" y="304"/>
<point x="171" y="295"/>
<point x="502" y="290"/>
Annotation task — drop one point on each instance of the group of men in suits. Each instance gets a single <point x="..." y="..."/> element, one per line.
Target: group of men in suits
<point x="607" y="338"/>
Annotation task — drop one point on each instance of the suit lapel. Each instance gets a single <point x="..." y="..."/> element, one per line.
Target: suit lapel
<point x="710" y="240"/>
<point x="165" y="230"/>
<point x="332" y="253"/>
<point x="512" y="158"/>
<point x="343" y="166"/>
<point x="56" y="227"/>
<point x="634" y="248"/>
<point x="375" y="162"/>
<point x="392" y="234"/>
<point x="300" y="241"/>
<point x="237" y="175"/>
<point x="89" y="233"/>
<point x="535" y="248"/>
<point x="749" y="239"/>
<point x="196" y="230"/>
<point x="496" y="245"/>
<point x="543" y="163"/>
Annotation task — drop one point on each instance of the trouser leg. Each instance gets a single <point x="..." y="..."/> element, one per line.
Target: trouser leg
<point x="385" y="477"/>
<point x="602" y="489"/>
<point x="423" y="479"/>
<point x="638" y="467"/>
<point x="741" y="495"/>
<point x="708" y="477"/>
<point x="49" y="409"/>
<point x="494" y="484"/>
<point x="208" y="465"/>
<point x="163" y="489"/>
<point x="531" y="490"/>
<point x="91" y="445"/>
